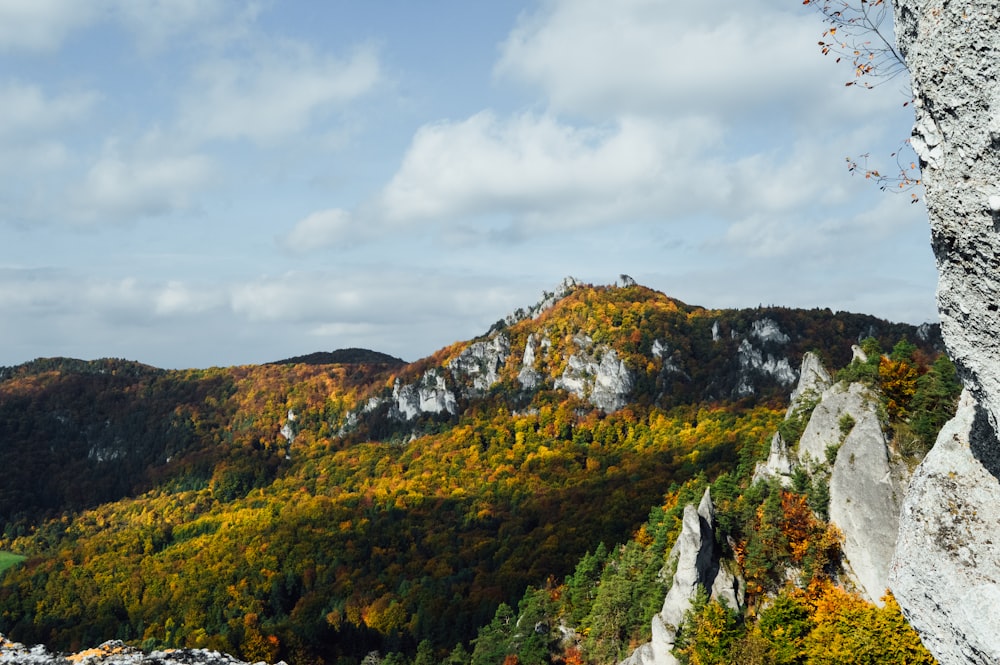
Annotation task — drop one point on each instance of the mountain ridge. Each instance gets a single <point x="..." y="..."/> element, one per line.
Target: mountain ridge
<point x="343" y="508"/>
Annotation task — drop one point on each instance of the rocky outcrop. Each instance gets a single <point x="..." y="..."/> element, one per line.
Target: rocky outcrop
<point x="813" y="380"/>
<point x="288" y="428"/>
<point x="478" y="366"/>
<point x="946" y="571"/>
<point x="823" y="430"/>
<point x="866" y="494"/>
<point x="844" y="439"/>
<point x="428" y="395"/>
<point x="114" y="652"/>
<point x="760" y="358"/>
<point x="949" y="47"/>
<point x="597" y="375"/>
<point x="528" y="376"/>
<point x="697" y="565"/>
<point x="778" y="465"/>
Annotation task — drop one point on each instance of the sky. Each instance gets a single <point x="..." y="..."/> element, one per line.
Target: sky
<point x="196" y="183"/>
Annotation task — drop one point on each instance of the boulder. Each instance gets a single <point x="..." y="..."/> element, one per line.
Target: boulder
<point x="946" y="569"/>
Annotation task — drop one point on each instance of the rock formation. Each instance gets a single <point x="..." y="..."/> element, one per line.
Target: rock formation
<point x="866" y="486"/>
<point x="114" y="652"/>
<point x="697" y="565"/>
<point x="429" y="395"/>
<point x="479" y="364"/>
<point x="779" y="463"/>
<point x="947" y="563"/>
<point x="950" y="49"/>
<point x="597" y="375"/>
<point x="756" y="360"/>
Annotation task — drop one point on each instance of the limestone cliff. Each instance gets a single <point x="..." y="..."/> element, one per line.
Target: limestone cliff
<point x="950" y="49"/>
<point x="697" y="565"/>
<point x="947" y="563"/>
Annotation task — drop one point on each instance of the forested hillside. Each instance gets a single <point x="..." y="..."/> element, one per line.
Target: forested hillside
<point x="320" y="511"/>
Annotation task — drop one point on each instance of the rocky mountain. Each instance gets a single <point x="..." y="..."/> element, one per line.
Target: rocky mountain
<point x="323" y="512"/>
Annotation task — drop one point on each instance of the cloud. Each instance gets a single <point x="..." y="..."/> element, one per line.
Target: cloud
<point x="719" y="58"/>
<point x="127" y="187"/>
<point x="158" y="23"/>
<point x="42" y="25"/>
<point x="274" y="93"/>
<point x="26" y="110"/>
<point x="325" y="228"/>
<point x="540" y="169"/>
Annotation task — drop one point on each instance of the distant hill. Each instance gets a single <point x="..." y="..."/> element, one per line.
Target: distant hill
<point x="351" y="356"/>
<point x="326" y="506"/>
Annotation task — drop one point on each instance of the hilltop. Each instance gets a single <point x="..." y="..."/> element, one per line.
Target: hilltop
<point x="310" y="510"/>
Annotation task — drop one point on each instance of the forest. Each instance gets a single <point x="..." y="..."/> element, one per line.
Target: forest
<point x="272" y="512"/>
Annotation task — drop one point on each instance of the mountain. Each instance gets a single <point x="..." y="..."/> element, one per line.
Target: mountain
<point x="318" y="512"/>
<point x="343" y="357"/>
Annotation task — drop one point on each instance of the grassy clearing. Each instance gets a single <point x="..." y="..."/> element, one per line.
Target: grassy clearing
<point x="7" y="560"/>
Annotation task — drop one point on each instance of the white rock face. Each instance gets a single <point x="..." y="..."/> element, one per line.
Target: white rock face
<point x="866" y="495"/>
<point x="429" y="395"/>
<point x="696" y="566"/>
<point x="778" y="465"/>
<point x="528" y="377"/>
<point x="866" y="486"/>
<point x="479" y="364"/>
<point x="288" y="429"/>
<point x="956" y="135"/>
<point x="114" y="652"/>
<point x="767" y="330"/>
<point x="946" y="572"/>
<point x="813" y="380"/>
<point x="753" y="361"/>
<point x="598" y="376"/>
<point x="823" y="428"/>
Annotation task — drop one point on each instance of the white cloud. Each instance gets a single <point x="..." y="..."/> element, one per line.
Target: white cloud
<point x="325" y="228"/>
<point x="121" y="187"/>
<point x="275" y="93"/>
<point x="26" y="110"/>
<point x="536" y="167"/>
<point x="602" y="59"/>
<point x="42" y="25"/>
<point x="157" y="23"/>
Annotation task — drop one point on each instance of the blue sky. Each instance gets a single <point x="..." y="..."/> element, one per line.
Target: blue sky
<point x="192" y="183"/>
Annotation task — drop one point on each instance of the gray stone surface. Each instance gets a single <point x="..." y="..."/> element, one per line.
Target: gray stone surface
<point x="946" y="571"/>
<point x="696" y="565"/>
<point x="114" y="652"/>
<point x="823" y="429"/>
<point x="866" y="485"/>
<point x="597" y="375"/>
<point x="866" y="494"/>
<point x="428" y="395"/>
<point x="813" y="380"/>
<point x="478" y="366"/>
<point x="779" y="463"/>
<point x="950" y="47"/>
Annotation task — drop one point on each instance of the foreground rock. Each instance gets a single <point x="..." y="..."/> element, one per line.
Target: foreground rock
<point x="946" y="572"/>
<point x="697" y="566"/>
<point x="111" y="653"/>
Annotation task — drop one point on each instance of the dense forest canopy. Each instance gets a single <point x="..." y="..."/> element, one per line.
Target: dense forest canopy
<point x="279" y="511"/>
